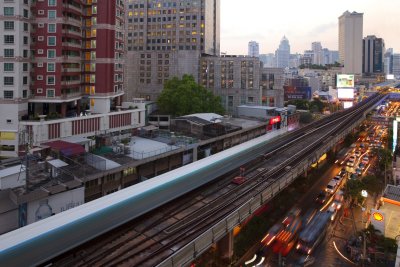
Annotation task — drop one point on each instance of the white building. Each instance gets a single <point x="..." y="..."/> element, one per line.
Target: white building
<point x="282" y="54"/>
<point x="316" y="47"/>
<point x="14" y="71"/>
<point x="350" y="42"/>
<point x="253" y="49"/>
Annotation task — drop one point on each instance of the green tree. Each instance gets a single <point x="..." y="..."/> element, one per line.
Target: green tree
<point x="353" y="189"/>
<point x="385" y="158"/>
<point x="184" y="96"/>
<point x="306" y="117"/>
<point x="300" y="104"/>
<point x="372" y="184"/>
<point x="316" y="105"/>
<point x="350" y="139"/>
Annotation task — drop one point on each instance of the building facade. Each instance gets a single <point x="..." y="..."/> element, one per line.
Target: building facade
<point x="14" y="71"/>
<point x="282" y="54"/>
<point x="253" y="49"/>
<point x="373" y="55"/>
<point x="396" y="65"/>
<point x="166" y="39"/>
<point x="241" y="80"/>
<point x="388" y="61"/>
<point x="60" y="59"/>
<point x="350" y="42"/>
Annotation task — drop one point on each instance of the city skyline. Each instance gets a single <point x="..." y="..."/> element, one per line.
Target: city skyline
<point x="305" y="22"/>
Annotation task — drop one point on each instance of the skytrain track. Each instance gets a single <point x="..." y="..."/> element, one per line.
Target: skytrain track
<point x="149" y="240"/>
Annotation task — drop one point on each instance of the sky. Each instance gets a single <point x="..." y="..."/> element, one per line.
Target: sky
<point x="302" y="22"/>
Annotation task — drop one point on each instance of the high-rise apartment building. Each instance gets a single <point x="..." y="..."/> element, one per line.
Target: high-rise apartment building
<point x="396" y="65"/>
<point x="78" y="49"/>
<point x="14" y="71"/>
<point x="253" y="49"/>
<point x="58" y="60"/>
<point x="268" y="60"/>
<point x="350" y="42"/>
<point x="167" y="39"/>
<point x="373" y="55"/>
<point x="388" y="61"/>
<point x="282" y="54"/>
<point x="316" y="47"/>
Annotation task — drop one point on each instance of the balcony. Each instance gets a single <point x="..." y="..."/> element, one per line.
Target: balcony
<point x="71" y="69"/>
<point x="69" y="44"/>
<point x="72" y="7"/>
<point x="72" y="82"/>
<point x="72" y="21"/>
<point x="71" y="58"/>
<point x="72" y="32"/>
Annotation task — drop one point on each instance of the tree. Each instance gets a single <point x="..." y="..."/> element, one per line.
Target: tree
<point x="306" y="117"/>
<point x="300" y="104"/>
<point x="316" y="105"/>
<point x="353" y="189"/>
<point x="385" y="158"/>
<point x="372" y="184"/>
<point x="184" y="96"/>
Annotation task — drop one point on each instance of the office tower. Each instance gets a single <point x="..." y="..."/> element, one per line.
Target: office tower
<point x="316" y="47"/>
<point x="253" y="49"/>
<point x="282" y="54"/>
<point x="268" y="60"/>
<point x="388" y="61"/>
<point x="350" y="42"/>
<point x="396" y="65"/>
<point x="373" y="55"/>
<point x="166" y="39"/>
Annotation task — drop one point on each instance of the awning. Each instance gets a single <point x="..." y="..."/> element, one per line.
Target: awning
<point x="66" y="148"/>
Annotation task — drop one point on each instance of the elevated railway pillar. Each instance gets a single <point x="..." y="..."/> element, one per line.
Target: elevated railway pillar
<point x="225" y="246"/>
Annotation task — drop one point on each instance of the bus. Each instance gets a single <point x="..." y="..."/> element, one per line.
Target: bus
<point x="313" y="233"/>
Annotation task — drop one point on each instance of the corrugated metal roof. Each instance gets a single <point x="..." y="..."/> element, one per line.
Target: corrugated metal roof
<point x="392" y="192"/>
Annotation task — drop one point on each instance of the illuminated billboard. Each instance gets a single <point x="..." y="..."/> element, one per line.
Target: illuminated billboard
<point x="390" y="77"/>
<point x="297" y="92"/>
<point x="347" y="105"/>
<point x="345" y="93"/>
<point x="345" y="81"/>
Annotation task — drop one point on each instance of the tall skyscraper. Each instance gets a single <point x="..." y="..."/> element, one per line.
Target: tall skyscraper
<point x="388" y="61"/>
<point x="316" y="47"/>
<point x="396" y="65"/>
<point x="350" y="41"/>
<point x="167" y="39"/>
<point x="268" y="60"/>
<point x="373" y="55"/>
<point x="253" y="49"/>
<point x="282" y="54"/>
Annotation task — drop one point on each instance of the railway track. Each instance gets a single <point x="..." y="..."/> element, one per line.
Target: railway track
<point x="148" y="241"/>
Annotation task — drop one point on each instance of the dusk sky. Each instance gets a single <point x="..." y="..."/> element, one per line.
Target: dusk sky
<point x="266" y="21"/>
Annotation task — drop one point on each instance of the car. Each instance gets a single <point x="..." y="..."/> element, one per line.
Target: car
<point x="338" y="179"/>
<point x="342" y="172"/>
<point x="365" y="160"/>
<point x="361" y="166"/>
<point x="333" y="211"/>
<point x="338" y="199"/>
<point x="359" y="171"/>
<point x="322" y="197"/>
<point x="331" y="187"/>
<point x="357" y="153"/>
<point x="350" y="163"/>
<point x="353" y="176"/>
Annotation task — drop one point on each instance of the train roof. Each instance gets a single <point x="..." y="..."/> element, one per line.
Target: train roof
<point x="113" y="201"/>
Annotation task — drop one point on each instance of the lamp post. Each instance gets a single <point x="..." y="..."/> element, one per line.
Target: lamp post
<point x="364" y="194"/>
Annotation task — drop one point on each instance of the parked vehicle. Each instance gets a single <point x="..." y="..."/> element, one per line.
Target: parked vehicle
<point x="322" y="197"/>
<point x="331" y="187"/>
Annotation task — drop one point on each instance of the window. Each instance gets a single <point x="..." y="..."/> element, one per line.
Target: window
<point x="8" y="66"/>
<point x="52" y="2"/>
<point x="51" y="14"/>
<point x="8" y="80"/>
<point x="26" y="40"/>
<point x="51" y="27"/>
<point x="8" y="11"/>
<point x="51" y="67"/>
<point x="51" y="53"/>
<point x="26" y="26"/>
<point x="26" y="13"/>
<point x="8" y="52"/>
<point x="39" y="90"/>
<point x="25" y="67"/>
<point x="40" y="12"/>
<point x="8" y="39"/>
<point x="9" y="94"/>
<point x="51" y="40"/>
<point x="39" y="78"/>
<point x="24" y="93"/>
<point x="8" y="25"/>
<point x="25" y="53"/>
<point x="50" y="92"/>
<point x="51" y="80"/>
<point x="25" y="80"/>
<point x="94" y="9"/>
<point x="40" y="25"/>
<point x="40" y="38"/>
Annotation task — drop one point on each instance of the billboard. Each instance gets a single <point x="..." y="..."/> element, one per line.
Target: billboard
<point x="390" y="77"/>
<point x="345" y="81"/>
<point x="347" y="105"/>
<point x="345" y="93"/>
<point x="297" y="92"/>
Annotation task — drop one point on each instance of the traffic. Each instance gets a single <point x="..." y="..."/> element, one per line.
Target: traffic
<point x="298" y="235"/>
